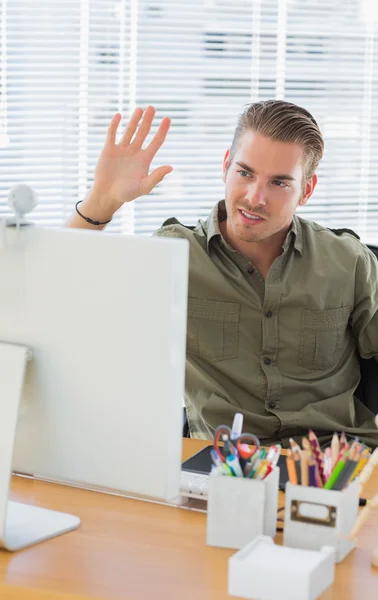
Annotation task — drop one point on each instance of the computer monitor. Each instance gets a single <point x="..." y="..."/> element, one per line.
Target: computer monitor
<point x="104" y="317"/>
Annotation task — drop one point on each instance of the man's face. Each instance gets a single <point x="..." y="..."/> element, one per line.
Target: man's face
<point x="263" y="187"/>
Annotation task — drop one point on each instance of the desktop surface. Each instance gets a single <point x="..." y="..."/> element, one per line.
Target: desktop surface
<point x="132" y="550"/>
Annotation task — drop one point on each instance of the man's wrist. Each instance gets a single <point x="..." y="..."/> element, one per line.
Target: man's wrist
<point x="97" y="207"/>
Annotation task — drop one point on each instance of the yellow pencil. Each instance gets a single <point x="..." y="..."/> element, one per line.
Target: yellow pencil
<point x="361" y="463"/>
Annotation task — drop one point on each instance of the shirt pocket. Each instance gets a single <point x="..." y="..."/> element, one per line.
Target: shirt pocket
<point x="322" y="337"/>
<point x="213" y="329"/>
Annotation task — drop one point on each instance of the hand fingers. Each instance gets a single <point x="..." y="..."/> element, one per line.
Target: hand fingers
<point x="154" y="178"/>
<point x="131" y="126"/>
<point x="159" y="138"/>
<point x="144" y="127"/>
<point x="112" y="129"/>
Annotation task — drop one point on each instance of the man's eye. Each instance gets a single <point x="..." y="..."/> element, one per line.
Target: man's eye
<point x="243" y="173"/>
<point x="279" y="183"/>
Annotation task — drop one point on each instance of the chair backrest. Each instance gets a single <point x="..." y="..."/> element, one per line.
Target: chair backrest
<point x="185" y="426"/>
<point x="367" y="390"/>
<point x="374" y="249"/>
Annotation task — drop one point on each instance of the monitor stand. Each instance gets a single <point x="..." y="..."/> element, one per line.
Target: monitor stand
<point x="21" y="525"/>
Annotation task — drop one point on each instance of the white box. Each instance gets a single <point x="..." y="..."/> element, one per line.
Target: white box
<point x="315" y="517"/>
<point x="239" y="509"/>
<point x="264" y="571"/>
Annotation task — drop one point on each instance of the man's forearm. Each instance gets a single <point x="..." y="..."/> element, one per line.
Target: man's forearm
<point x="93" y="207"/>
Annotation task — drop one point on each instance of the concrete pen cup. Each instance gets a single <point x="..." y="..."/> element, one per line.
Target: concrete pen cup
<point x="239" y="509"/>
<point x="315" y="517"/>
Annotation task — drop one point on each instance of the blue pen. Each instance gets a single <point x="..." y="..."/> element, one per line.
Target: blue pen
<point x="234" y="465"/>
<point x="220" y="465"/>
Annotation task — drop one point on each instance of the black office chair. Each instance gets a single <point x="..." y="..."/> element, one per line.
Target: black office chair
<point x="367" y="390"/>
<point x="185" y="426"/>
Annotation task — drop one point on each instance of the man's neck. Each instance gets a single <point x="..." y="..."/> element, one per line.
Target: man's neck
<point x="262" y="254"/>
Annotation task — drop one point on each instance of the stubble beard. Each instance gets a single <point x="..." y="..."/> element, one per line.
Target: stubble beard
<point x="243" y="235"/>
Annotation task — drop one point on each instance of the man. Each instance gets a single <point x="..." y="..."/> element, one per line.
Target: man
<point x="278" y="307"/>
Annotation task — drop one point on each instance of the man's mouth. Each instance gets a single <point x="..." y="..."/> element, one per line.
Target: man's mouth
<point x="250" y="216"/>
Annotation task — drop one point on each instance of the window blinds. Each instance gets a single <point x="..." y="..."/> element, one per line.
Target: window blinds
<point x="66" y="68"/>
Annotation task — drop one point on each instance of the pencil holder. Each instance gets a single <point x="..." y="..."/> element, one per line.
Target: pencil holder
<point x="268" y="572"/>
<point x="239" y="509"/>
<point x="315" y="517"/>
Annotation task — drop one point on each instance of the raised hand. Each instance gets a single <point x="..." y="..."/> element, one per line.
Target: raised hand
<point x="122" y="171"/>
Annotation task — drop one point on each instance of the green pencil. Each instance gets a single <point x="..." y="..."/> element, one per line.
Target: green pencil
<point x="335" y="473"/>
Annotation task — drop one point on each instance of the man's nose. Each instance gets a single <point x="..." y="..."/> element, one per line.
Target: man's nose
<point x="256" y="195"/>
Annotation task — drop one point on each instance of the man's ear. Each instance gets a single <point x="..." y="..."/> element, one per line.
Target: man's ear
<point x="226" y="164"/>
<point x="309" y="189"/>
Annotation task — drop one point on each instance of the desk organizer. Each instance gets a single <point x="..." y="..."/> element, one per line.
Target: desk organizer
<point x="264" y="571"/>
<point x="239" y="509"/>
<point x="315" y="517"/>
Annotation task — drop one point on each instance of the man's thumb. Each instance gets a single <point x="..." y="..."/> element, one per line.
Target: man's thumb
<point x="154" y="178"/>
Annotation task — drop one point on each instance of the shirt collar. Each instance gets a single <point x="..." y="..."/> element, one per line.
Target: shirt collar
<point x="211" y="227"/>
<point x="295" y="232"/>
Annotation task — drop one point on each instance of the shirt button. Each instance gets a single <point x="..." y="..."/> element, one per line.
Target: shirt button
<point x="272" y="405"/>
<point x="250" y="270"/>
<point x="268" y="314"/>
<point x="267" y="361"/>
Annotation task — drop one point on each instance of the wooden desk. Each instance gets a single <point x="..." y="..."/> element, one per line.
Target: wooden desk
<point x="132" y="550"/>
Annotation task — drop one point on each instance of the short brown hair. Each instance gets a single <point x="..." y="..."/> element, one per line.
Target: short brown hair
<point x="285" y="122"/>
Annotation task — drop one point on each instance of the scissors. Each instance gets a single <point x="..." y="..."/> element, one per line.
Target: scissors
<point x="244" y="445"/>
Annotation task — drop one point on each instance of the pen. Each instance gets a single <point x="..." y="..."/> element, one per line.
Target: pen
<point x="268" y="470"/>
<point x="237" y="426"/>
<point x="255" y="458"/>
<point x="219" y="464"/>
<point x="233" y="463"/>
<point x="274" y="455"/>
<point x="261" y="471"/>
<point x="217" y="471"/>
<point x="257" y="462"/>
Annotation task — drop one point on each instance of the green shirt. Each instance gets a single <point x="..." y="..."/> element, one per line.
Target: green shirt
<point x="283" y="351"/>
